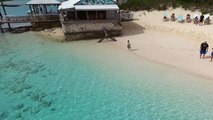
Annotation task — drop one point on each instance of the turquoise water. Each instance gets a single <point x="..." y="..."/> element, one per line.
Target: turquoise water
<point x="45" y="80"/>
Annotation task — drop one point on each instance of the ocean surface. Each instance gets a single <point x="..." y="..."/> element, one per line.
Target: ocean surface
<point x="41" y="79"/>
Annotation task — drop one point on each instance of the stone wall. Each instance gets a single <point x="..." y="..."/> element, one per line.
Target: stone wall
<point x="88" y="30"/>
<point x="44" y="25"/>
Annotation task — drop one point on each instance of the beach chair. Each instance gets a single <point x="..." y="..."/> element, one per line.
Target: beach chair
<point x="207" y="19"/>
<point x="165" y="18"/>
<point x="196" y="19"/>
<point x="180" y="19"/>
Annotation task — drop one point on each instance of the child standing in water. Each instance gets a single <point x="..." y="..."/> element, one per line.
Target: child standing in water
<point x="128" y="45"/>
<point x="212" y="55"/>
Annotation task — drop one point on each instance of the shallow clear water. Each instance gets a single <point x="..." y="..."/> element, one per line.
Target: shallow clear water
<point x="82" y="80"/>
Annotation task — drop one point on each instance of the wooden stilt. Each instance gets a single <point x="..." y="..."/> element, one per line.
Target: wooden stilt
<point x="5" y="13"/>
<point x="96" y="15"/>
<point x="45" y="9"/>
<point x="76" y="16"/>
<point x="87" y="15"/>
<point x="2" y="31"/>
<point x="31" y="12"/>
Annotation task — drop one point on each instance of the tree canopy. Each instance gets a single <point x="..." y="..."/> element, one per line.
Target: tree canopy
<point x="164" y="4"/>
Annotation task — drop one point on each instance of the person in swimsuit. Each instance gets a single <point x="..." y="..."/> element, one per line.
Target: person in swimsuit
<point x="203" y="49"/>
<point x="196" y="21"/>
<point x="212" y="55"/>
<point x="128" y="45"/>
<point x="201" y="19"/>
<point x="188" y="18"/>
<point x="173" y="17"/>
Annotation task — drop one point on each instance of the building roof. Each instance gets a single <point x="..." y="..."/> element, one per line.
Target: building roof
<point x="43" y="2"/>
<point x="89" y="5"/>
<point x="68" y="4"/>
<point x="96" y="2"/>
<point x="96" y="7"/>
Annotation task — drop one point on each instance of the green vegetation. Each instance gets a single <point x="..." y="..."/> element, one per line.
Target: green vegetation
<point x="203" y="5"/>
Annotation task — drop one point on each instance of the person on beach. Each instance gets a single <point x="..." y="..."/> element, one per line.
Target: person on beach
<point x="196" y="21"/>
<point x="165" y="19"/>
<point x="173" y="17"/>
<point x="212" y="55"/>
<point x="128" y="45"/>
<point x="188" y="18"/>
<point x="201" y="19"/>
<point x="203" y="49"/>
<point x="207" y="21"/>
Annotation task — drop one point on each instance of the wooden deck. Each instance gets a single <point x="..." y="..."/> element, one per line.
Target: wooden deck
<point x="45" y="18"/>
<point x="15" y="19"/>
<point x="26" y="19"/>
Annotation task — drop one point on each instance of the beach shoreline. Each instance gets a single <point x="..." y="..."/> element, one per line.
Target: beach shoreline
<point x="55" y="33"/>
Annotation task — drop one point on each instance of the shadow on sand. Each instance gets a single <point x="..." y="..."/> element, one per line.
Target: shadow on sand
<point x="134" y="49"/>
<point x="131" y="28"/>
<point x="208" y="57"/>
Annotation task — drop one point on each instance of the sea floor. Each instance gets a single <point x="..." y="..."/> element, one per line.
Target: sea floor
<point x="42" y="79"/>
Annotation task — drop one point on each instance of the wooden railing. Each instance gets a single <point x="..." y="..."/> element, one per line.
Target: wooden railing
<point x="34" y="18"/>
<point x="17" y="19"/>
<point x="45" y="18"/>
<point x="113" y="18"/>
<point x="89" y="21"/>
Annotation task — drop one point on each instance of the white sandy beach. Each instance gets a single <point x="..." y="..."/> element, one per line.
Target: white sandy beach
<point x="54" y="33"/>
<point x="170" y="43"/>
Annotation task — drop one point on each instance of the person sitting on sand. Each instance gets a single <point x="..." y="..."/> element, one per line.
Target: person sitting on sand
<point x="188" y="18"/>
<point x="201" y="19"/>
<point x="165" y="19"/>
<point x="203" y="49"/>
<point x="173" y="17"/>
<point x="196" y="21"/>
<point x="212" y="55"/>
<point x="128" y="45"/>
<point x="207" y="21"/>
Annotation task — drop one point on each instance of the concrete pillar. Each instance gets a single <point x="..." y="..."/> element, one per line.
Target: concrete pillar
<point x="76" y="15"/>
<point x="45" y="9"/>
